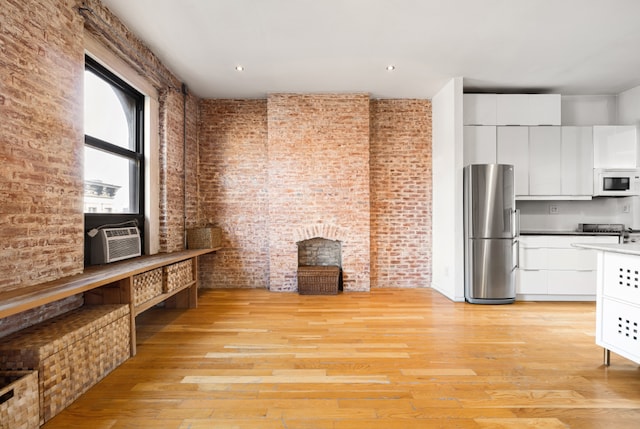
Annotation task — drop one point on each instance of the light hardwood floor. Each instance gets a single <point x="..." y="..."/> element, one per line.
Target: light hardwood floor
<point x="392" y="358"/>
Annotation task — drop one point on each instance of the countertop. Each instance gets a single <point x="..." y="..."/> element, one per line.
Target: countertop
<point x="540" y="232"/>
<point x="627" y="249"/>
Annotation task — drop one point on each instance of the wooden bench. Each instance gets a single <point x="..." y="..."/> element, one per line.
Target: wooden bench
<point x="119" y="283"/>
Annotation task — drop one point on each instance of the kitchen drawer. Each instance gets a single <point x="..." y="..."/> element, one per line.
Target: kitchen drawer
<point x="532" y="282"/>
<point x="574" y="259"/>
<point x="534" y="241"/>
<point x="534" y="259"/>
<point x="572" y="282"/>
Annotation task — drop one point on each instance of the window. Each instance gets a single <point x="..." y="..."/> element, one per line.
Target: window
<point x="113" y="149"/>
<point x="113" y="116"/>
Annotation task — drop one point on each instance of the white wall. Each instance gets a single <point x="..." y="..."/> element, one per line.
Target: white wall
<point x="629" y="107"/>
<point x="534" y="215"/>
<point x="586" y="110"/>
<point x="447" y="235"/>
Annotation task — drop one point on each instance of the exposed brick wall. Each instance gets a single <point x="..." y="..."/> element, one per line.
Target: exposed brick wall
<point x="112" y="33"/>
<point x="41" y="183"/>
<point x="232" y="144"/>
<point x="191" y="163"/>
<point x="329" y="160"/>
<point x="400" y="193"/>
<point x="172" y="180"/>
<point x="41" y="140"/>
<point x="318" y="173"/>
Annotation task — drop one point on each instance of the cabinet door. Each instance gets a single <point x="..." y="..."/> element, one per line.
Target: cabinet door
<point x="619" y="321"/>
<point x="534" y="259"/>
<point x="614" y="147"/>
<point x="479" y="109"/>
<point x="572" y="259"/>
<point x="513" y="148"/>
<point x="571" y="282"/>
<point x="544" y="109"/>
<point x="577" y="161"/>
<point x="545" y="169"/>
<point x="479" y="145"/>
<point x="532" y="282"/>
<point x="512" y="109"/>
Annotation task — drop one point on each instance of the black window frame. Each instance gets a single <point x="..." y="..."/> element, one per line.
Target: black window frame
<point x="96" y="220"/>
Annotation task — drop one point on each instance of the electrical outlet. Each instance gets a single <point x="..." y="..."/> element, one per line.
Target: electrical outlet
<point x="626" y="208"/>
<point x="553" y="209"/>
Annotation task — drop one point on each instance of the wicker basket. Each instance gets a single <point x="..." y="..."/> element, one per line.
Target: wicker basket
<point x="19" y="400"/>
<point x="318" y="280"/>
<point x="147" y="285"/>
<point x="178" y="275"/>
<point x="204" y="238"/>
<point x="71" y="352"/>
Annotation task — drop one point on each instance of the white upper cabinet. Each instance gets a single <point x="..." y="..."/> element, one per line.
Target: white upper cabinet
<point x="528" y="109"/>
<point x="512" y="109"/>
<point x="549" y="162"/>
<point x="513" y="148"/>
<point x="615" y="146"/>
<point x="545" y="167"/>
<point x="479" y="145"/>
<point x="545" y="109"/>
<point x="577" y="161"/>
<point x="479" y="109"/>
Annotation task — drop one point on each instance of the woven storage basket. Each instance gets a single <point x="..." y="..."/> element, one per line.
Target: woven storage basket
<point x="71" y="352"/>
<point x="318" y="280"/>
<point x="19" y="400"/>
<point x="147" y="285"/>
<point x="178" y="275"/>
<point x="204" y="238"/>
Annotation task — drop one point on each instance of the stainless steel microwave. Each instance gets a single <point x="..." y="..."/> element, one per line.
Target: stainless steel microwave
<point x="616" y="182"/>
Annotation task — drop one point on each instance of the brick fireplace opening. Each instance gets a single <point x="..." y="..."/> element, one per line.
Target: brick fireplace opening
<point x="319" y="251"/>
<point x="319" y="266"/>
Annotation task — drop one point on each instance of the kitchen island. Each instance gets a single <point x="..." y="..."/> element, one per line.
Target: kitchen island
<point x="618" y="299"/>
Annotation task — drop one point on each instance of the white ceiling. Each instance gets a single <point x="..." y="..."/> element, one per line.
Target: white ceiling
<point x="310" y="46"/>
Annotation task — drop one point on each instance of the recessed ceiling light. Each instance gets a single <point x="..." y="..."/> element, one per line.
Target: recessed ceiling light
<point x="391" y="67"/>
<point x="239" y="68"/>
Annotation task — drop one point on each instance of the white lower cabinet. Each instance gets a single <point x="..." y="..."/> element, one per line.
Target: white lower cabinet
<point x="551" y="269"/>
<point x="532" y="282"/>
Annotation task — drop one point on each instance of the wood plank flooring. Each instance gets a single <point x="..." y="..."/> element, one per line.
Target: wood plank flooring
<point x="389" y="359"/>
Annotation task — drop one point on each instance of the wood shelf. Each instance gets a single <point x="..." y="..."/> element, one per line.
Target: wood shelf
<point x="158" y="299"/>
<point x="110" y="284"/>
<point x="19" y="300"/>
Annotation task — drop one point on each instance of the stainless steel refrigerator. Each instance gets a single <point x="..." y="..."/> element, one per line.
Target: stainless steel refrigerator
<point x="491" y="231"/>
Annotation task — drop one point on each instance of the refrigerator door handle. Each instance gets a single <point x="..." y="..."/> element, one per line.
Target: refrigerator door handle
<point x="516" y="223"/>
<point x="517" y="244"/>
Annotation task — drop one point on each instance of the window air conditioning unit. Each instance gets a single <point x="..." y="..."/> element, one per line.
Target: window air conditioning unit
<point x="115" y="244"/>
